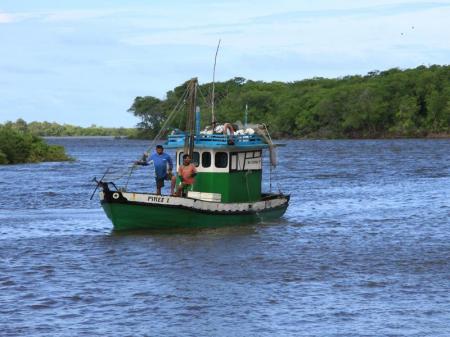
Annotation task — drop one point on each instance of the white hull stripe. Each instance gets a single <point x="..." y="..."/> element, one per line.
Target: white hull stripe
<point x="153" y="199"/>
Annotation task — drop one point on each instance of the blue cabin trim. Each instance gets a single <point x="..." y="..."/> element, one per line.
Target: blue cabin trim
<point x="217" y="141"/>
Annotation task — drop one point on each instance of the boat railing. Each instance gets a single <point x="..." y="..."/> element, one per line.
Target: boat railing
<point x="219" y="139"/>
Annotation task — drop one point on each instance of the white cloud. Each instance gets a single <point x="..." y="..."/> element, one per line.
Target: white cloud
<point x="13" y="17"/>
<point x="327" y="35"/>
<point x="6" y="18"/>
<point x="58" y="16"/>
<point x="17" y="16"/>
<point x="76" y="15"/>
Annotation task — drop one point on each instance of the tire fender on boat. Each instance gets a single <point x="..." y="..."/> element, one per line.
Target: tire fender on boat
<point x="228" y="127"/>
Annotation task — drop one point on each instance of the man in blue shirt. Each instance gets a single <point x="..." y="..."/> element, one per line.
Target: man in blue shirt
<point x="163" y="168"/>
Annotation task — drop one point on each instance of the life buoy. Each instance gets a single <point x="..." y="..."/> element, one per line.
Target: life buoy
<point x="226" y="127"/>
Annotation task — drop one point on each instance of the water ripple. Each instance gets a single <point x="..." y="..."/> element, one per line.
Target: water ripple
<point x="362" y="250"/>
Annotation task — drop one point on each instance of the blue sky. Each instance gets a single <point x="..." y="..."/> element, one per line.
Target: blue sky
<point x="83" y="62"/>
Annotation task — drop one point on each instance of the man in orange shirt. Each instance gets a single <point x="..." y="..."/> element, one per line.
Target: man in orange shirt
<point x="186" y="172"/>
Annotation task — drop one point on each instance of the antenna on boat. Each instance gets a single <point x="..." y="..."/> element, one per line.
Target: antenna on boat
<point x="190" y="121"/>
<point x="246" y="116"/>
<point x="214" y="86"/>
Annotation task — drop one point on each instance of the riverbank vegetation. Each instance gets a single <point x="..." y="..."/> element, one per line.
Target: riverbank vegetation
<point x="381" y="104"/>
<point x="21" y="146"/>
<point x="46" y="129"/>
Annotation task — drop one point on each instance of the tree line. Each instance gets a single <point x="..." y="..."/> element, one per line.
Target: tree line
<point x="46" y="129"/>
<point x="391" y="103"/>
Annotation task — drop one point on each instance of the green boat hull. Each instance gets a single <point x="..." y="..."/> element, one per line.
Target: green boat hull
<point x="129" y="216"/>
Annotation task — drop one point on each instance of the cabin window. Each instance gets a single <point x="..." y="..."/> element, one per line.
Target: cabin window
<point x="221" y="159"/>
<point x="195" y="158"/>
<point x="206" y="159"/>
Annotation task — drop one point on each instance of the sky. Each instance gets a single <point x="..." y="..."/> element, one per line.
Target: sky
<point x="83" y="62"/>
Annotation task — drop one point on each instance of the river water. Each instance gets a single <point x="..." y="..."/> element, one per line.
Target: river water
<point x="363" y="249"/>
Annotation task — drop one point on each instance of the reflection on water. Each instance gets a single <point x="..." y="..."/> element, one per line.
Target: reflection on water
<point x="363" y="249"/>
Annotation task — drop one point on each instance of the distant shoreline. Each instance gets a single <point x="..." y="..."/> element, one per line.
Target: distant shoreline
<point x="87" y="137"/>
<point x="432" y="136"/>
<point x="393" y="137"/>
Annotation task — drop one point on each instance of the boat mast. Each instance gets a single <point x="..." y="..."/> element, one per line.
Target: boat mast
<point x="213" y="87"/>
<point x="190" y="121"/>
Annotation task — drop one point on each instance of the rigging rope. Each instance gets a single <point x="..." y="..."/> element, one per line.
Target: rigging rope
<point x="207" y="103"/>
<point x="168" y="120"/>
<point x="130" y="169"/>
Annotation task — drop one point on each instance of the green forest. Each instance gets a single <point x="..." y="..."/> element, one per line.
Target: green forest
<point x="20" y="146"/>
<point x="381" y="104"/>
<point x="46" y="129"/>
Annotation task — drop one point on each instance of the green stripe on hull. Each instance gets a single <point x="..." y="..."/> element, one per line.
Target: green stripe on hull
<point x="131" y="216"/>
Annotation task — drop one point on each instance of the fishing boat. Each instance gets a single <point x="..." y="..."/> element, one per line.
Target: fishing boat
<point x="227" y="188"/>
